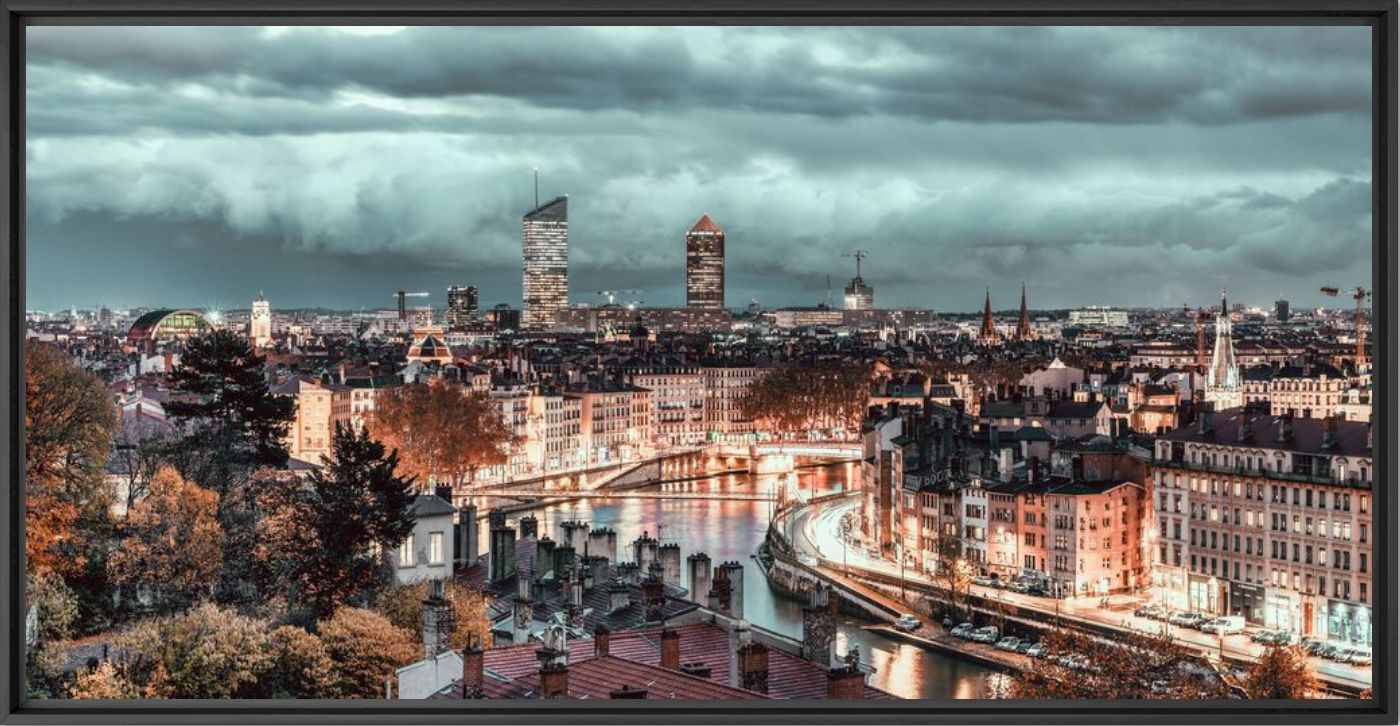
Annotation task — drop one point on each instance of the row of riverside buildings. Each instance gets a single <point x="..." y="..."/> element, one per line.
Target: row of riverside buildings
<point x="1239" y="511"/>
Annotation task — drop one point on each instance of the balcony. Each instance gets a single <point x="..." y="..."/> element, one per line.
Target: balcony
<point x="1289" y="476"/>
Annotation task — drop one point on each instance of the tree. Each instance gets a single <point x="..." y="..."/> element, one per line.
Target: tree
<point x="403" y="606"/>
<point x="227" y="409"/>
<point x="56" y="606"/>
<point x="173" y="540"/>
<point x="1281" y="672"/>
<point x="1131" y="666"/>
<point x="206" y="652"/>
<point x="140" y="449"/>
<point x="444" y="432"/>
<point x="104" y="682"/>
<point x="366" y="649"/>
<point x="300" y="666"/>
<point x="69" y="421"/>
<point x="953" y="573"/>
<point x="826" y="394"/>
<point x="357" y="502"/>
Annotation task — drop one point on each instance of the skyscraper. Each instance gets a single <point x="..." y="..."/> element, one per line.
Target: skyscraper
<point x="260" y="322"/>
<point x="859" y="296"/>
<point x="546" y="252"/>
<point x="461" y="305"/>
<point x="1281" y="311"/>
<point x="704" y="265"/>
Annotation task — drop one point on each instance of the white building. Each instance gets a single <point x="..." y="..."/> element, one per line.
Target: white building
<point x="426" y="554"/>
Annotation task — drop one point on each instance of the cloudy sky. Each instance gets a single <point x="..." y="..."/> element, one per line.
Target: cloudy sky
<point x="1123" y="166"/>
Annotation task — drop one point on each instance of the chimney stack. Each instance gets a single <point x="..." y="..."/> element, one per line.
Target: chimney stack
<point x="699" y="564"/>
<point x="1329" y="431"/>
<point x="819" y="625"/>
<point x="619" y="596"/>
<point x="443" y="492"/>
<point x="603" y="543"/>
<point x="628" y="692"/>
<point x="437" y="621"/>
<point x="563" y="560"/>
<point x="753" y="667"/>
<point x="846" y="681"/>
<point x="670" y="557"/>
<point x="735" y="576"/>
<point x="576" y="536"/>
<point x="473" y="669"/>
<point x="464" y="549"/>
<point x="654" y="595"/>
<point x="602" y="639"/>
<point x="670" y="649"/>
<point x="554" y="673"/>
<point x="544" y="557"/>
<point x="644" y="551"/>
<point x="529" y="527"/>
<point x="502" y="553"/>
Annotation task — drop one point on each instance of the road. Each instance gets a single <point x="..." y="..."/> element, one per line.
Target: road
<point x="817" y="531"/>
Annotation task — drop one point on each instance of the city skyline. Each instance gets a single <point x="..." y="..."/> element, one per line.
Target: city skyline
<point x="215" y="172"/>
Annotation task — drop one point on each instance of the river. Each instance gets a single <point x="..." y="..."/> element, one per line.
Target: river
<point x="733" y="530"/>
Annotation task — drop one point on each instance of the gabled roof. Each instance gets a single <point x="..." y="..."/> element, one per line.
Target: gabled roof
<point x="430" y="505"/>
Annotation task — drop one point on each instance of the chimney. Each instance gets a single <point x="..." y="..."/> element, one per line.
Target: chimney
<point x="1285" y="427"/>
<point x="1076" y="466"/>
<point x="437" y="621"/>
<point x="670" y="557"/>
<point x="629" y="573"/>
<point x="576" y="536"/>
<point x="529" y="526"/>
<point x="544" y="557"/>
<point x="465" y="541"/>
<point x="644" y="551"/>
<point x="619" y="596"/>
<point x="628" y="692"/>
<point x="443" y="492"/>
<point x="670" y="649"/>
<point x="699" y="564"/>
<point x="602" y="638"/>
<point x="721" y="594"/>
<point x="653" y="595"/>
<point x="1329" y="432"/>
<point x="735" y="573"/>
<point x="819" y="625"/>
<point x="603" y="543"/>
<point x="554" y="673"/>
<point x="502" y="553"/>
<point x="473" y="669"/>
<point x="563" y="560"/>
<point x="496" y="518"/>
<point x="753" y="667"/>
<point x="846" y="681"/>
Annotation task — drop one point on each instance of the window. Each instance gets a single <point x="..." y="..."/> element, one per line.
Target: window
<point x="435" y="548"/>
<point x="406" y="552"/>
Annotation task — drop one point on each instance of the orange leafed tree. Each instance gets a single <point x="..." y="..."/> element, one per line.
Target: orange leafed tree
<point x="173" y="539"/>
<point x="1281" y="672"/>
<point x="443" y="432"/>
<point x="366" y="649"/>
<point x="69" y="421"/>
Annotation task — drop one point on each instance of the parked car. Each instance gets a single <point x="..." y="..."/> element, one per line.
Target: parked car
<point x="1038" y="651"/>
<point x="1025" y="646"/>
<point x="1019" y="587"/>
<point x="908" y="623"/>
<point x="1326" y="650"/>
<point x="1355" y="655"/>
<point x="963" y="630"/>
<point x="984" y="581"/>
<point x="1188" y="620"/>
<point x="1010" y="643"/>
<point x="1036" y="591"/>
<point x="986" y="634"/>
<point x="1227" y="625"/>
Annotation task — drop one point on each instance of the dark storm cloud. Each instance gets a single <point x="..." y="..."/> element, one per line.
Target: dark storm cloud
<point x="1076" y="158"/>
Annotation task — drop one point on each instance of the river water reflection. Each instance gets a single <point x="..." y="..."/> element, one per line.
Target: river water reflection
<point x="733" y="530"/>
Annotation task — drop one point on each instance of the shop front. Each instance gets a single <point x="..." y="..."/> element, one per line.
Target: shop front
<point x="1282" y="611"/>
<point x="1247" y="601"/>
<point x="1203" y="594"/>
<point x="1349" y="622"/>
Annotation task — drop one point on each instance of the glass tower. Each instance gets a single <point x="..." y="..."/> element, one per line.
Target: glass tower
<point x="546" y="252"/>
<point x="704" y="265"/>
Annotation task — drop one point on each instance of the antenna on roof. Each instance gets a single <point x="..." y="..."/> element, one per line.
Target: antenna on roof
<point x="537" y="187"/>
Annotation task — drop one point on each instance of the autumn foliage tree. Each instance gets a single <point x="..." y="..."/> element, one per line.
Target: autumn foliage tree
<point x="1281" y="672"/>
<point x="299" y="666"/>
<point x="205" y="652"/>
<point x="1131" y="666"/>
<point x="173" y="542"/>
<point x="444" y="432"/>
<point x="366" y="649"/>
<point x="69" y="422"/>
<point x="403" y="606"/>
<point x="825" y="394"/>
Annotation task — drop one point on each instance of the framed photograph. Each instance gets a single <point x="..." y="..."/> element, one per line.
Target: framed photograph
<point x="468" y="362"/>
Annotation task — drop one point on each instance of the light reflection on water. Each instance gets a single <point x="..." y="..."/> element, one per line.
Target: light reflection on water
<point x="732" y="530"/>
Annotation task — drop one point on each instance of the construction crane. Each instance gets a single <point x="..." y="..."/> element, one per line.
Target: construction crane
<point x="1359" y="295"/>
<point x="859" y="254"/>
<point x="403" y="309"/>
<point x="612" y="295"/>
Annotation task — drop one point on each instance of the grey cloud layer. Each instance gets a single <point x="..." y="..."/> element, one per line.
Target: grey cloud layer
<point x="959" y="156"/>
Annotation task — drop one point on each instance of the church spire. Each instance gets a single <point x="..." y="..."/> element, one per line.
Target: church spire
<point x="1023" y="327"/>
<point x="988" y="335"/>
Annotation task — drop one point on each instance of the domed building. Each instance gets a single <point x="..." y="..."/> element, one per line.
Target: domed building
<point x="164" y="326"/>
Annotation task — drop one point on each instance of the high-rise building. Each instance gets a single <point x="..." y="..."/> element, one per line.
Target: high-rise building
<point x="260" y="322"/>
<point x="461" y="306"/>
<point x="546" y="252"/>
<point x="704" y="265"/>
<point x="859" y="296"/>
<point x="1281" y="311"/>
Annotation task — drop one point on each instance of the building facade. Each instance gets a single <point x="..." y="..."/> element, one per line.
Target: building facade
<point x="461" y="306"/>
<point x="546" y="253"/>
<point x="704" y="265"/>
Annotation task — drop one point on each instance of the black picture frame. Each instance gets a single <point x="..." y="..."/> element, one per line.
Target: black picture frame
<point x="16" y="15"/>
